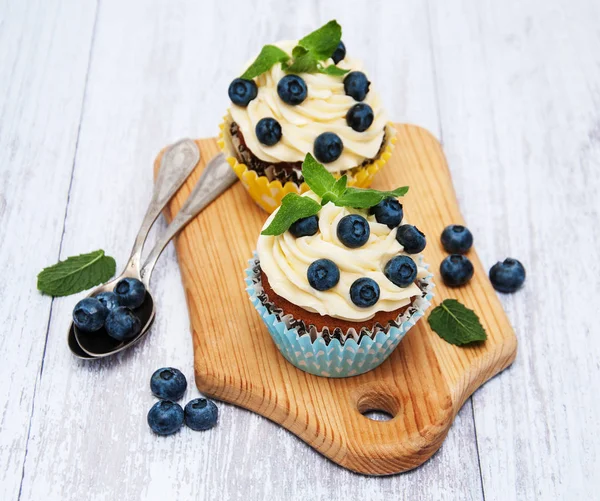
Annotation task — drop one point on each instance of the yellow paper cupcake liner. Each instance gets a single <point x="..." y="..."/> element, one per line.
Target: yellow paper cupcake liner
<point x="268" y="194"/>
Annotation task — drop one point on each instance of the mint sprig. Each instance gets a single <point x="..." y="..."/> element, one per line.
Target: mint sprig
<point x="456" y="324"/>
<point x="76" y="274"/>
<point x="330" y="189"/>
<point x="323" y="41"/>
<point x="268" y="57"/>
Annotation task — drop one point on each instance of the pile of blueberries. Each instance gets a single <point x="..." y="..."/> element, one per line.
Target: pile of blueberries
<point x="292" y="90"/>
<point x="457" y="269"/>
<point x="166" y="416"/>
<point x="114" y="311"/>
<point x="353" y="231"/>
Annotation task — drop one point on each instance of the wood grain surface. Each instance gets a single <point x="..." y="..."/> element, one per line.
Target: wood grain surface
<point x="90" y="90"/>
<point x="422" y="385"/>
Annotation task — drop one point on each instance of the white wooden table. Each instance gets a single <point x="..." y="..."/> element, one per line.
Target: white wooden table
<point x="90" y="91"/>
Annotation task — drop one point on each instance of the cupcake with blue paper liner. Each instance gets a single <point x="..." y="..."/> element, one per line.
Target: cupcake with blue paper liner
<point x="338" y="277"/>
<point x="300" y="97"/>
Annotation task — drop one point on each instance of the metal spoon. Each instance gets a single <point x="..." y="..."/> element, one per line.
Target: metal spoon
<point x="214" y="180"/>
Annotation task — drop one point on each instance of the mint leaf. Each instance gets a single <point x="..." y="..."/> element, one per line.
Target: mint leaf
<point x="317" y="177"/>
<point x="337" y="190"/>
<point x="268" y="57"/>
<point x="456" y="324"/>
<point x="323" y="42"/>
<point x="366" y="198"/>
<point x="76" y="274"/>
<point x="293" y="207"/>
<point x="332" y="70"/>
<point x="304" y="63"/>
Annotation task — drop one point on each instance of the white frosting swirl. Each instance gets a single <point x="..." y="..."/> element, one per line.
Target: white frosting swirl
<point x="285" y="261"/>
<point x="323" y="110"/>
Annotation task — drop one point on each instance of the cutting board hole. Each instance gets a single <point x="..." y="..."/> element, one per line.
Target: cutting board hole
<point x="378" y="415"/>
<point x="378" y="406"/>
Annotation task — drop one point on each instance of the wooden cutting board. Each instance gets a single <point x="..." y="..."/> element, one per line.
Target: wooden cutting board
<point x="424" y="382"/>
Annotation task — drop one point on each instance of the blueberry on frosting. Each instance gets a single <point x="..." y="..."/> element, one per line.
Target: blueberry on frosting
<point x="339" y="53"/>
<point x="409" y="237"/>
<point x="401" y="271"/>
<point x="241" y="91"/>
<point x="353" y="231"/>
<point x="364" y="292"/>
<point x="323" y="274"/>
<point x="388" y="212"/>
<point x="328" y="147"/>
<point x="360" y="117"/>
<point x="292" y="89"/>
<point x="305" y="227"/>
<point x="356" y="85"/>
<point x="268" y="131"/>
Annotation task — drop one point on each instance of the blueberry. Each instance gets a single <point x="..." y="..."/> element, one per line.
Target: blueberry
<point x="364" y="292"/>
<point x="507" y="276"/>
<point x="323" y="274"/>
<point x="89" y="314"/>
<point x="401" y="271"/>
<point x="360" y="117"/>
<point x="121" y="324"/>
<point x="353" y="231"/>
<point x="201" y="414"/>
<point x="268" y="131"/>
<point x="168" y="383"/>
<point x="409" y="237"/>
<point x="388" y="211"/>
<point x="339" y="53"/>
<point x="356" y="85"/>
<point x="457" y="239"/>
<point x="292" y="89"/>
<point x="131" y="292"/>
<point x="305" y="227"/>
<point x="328" y="147"/>
<point x="109" y="299"/>
<point x="456" y="270"/>
<point x="241" y="91"/>
<point x="165" y="417"/>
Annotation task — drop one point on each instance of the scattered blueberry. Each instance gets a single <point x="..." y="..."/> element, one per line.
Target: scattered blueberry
<point x="360" y="117"/>
<point x="89" y="314"/>
<point x="268" y="131"/>
<point x="457" y="239"/>
<point x="328" y="147"/>
<point x="168" y="383"/>
<point x="241" y="91"/>
<point x="131" y="292"/>
<point x="292" y="89"/>
<point x="401" y="271"/>
<point x="388" y="211"/>
<point x="165" y="417"/>
<point x="411" y="238"/>
<point x="456" y="270"/>
<point x="323" y="274"/>
<point x="121" y="324"/>
<point x="507" y="276"/>
<point x="109" y="299"/>
<point x="305" y="227"/>
<point x="353" y="231"/>
<point x="339" y="53"/>
<point x="364" y="292"/>
<point x="356" y="85"/>
<point x="201" y="414"/>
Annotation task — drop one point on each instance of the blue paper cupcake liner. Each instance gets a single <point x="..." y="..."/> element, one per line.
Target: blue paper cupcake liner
<point x="334" y="359"/>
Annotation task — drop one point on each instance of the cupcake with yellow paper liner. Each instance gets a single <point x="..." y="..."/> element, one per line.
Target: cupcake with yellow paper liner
<point x="300" y="97"/>
<point x="338" y="277"/>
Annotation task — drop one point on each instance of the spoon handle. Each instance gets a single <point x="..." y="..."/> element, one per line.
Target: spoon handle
<point x="214" y="180"/>
<point x="176" y="165"/>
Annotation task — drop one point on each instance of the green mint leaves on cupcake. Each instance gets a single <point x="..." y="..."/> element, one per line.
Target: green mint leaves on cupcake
<point x="456" y="324"/>
<point x="325" y="185"/>
<point x="76" y="274"/>
<point x="306" y="57"/>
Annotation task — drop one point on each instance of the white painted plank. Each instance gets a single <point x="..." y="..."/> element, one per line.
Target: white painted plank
<point x="159" y="71"/>
<point x="520" y="114"/>
<point x="44" y="49"/>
